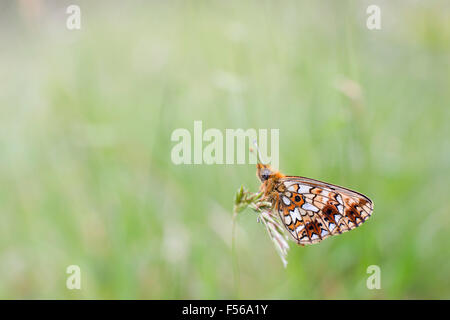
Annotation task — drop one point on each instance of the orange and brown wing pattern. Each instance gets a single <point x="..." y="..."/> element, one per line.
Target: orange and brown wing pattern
<point x="312" y="210"/>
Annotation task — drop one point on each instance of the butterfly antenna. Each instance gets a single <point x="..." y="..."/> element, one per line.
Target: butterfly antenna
<point x="258" y="152"/>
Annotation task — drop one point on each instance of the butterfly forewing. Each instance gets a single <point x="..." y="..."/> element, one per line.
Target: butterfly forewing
<point x="313" y="210"/>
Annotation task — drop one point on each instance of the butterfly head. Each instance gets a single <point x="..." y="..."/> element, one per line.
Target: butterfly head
<point x="264" y="172"/>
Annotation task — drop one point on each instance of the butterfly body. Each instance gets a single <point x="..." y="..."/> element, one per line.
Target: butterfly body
<point x="312" y="210"/>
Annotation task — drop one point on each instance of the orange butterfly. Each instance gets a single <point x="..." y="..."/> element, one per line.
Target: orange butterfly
<point x="312" y="210"/>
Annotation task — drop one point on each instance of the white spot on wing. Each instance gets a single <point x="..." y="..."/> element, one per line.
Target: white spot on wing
<point x="295" y="215"/>
<point x="331" y="226"/>
<point x="339" y="199"/>
<point x="299" y="228"/>
<point x="324" y="232"/>
<point x="303" y="189"/>
<point x="286" y="201"/>
<point x="341" y="209"/>
<point x="310" y="207"/>
<point x="292" y="188"/>
<point x="325" y="193"/>
<point x="287" y="219"/>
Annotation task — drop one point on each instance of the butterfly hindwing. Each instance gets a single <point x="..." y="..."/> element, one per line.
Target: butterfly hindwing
<point x="312" y="210"/>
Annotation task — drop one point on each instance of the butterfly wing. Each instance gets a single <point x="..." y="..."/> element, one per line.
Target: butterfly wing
<point x="313" y="210"/>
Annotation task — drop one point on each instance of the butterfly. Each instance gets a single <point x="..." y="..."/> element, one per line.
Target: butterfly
<point x="312" y="210"/>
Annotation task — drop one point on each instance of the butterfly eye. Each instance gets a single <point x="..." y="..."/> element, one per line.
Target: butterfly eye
<point x="265" y="174"/>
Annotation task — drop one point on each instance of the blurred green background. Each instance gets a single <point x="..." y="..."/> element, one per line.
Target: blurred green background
<point x="86" y="118"/>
